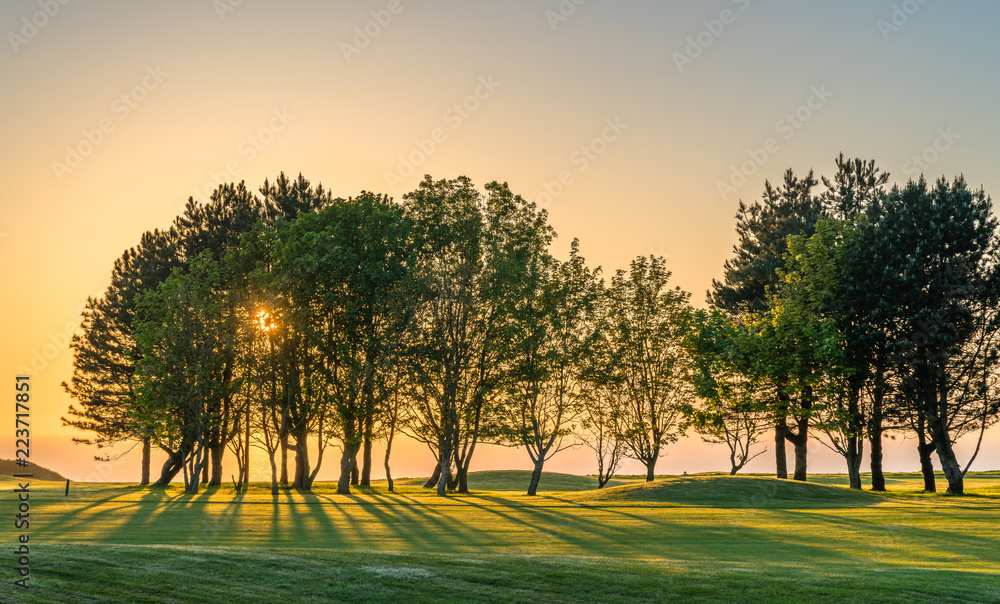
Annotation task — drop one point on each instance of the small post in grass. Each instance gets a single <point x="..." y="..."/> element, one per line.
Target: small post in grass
<point x="66" y="494"/>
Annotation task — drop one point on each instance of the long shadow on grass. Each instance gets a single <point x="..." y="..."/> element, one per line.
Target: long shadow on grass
<point x="84" y="518"/>
<point x="904" y="539"/>
<point x="410" y="522"/>
<point x="596" y="533"/>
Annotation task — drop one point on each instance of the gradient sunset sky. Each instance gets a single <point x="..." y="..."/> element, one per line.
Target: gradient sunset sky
<point x="637" y="124"/>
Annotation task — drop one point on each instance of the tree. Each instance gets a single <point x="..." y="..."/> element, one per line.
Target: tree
<point x="938" y="247"/>
<point x="750" y="276"/>
<point x="283" y="201"/>
<point x="732" y="412"/>
<point x="216" y="228"/>
<point x="600" y="425"/>
<point x="856" y="187"/>
<point x="105" y="352"/>
<point x="347" y="270"/>
<point x="813" y="316"/>
<point x="645" y="328"/>
<point x="552" y="328"/>
<point x="601" y="418"/>
<point x="471" y="248"/>
<point x="180" y="380"/>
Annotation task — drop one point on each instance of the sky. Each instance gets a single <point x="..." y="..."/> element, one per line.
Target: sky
<point x="638" y="125"/>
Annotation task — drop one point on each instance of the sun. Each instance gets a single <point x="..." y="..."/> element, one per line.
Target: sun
<point x="264" y="321"/>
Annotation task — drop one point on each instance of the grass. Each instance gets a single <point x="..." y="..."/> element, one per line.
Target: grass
<point x="684" y="538"/>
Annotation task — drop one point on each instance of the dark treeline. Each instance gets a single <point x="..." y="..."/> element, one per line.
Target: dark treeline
<point x="291" y="320"/>
<point x="858" y="311"/>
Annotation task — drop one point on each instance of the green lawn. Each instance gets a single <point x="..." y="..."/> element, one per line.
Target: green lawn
<point x="682" y="538"/>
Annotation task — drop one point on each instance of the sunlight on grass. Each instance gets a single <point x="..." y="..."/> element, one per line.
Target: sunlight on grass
<point x="744" y="532"/>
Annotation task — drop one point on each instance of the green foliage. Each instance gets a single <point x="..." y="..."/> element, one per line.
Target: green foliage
<point x="105" y="351"/>
<point x="644" y="328"/>
<point x="763" y="228"/>
<point x="937" y="246"/>
<point x="181" y="378"/>
<point x="732" y="409"/>
<point x="474" y="250"/>
<point x="346" y="273"/>
<point x="553" y="318"/>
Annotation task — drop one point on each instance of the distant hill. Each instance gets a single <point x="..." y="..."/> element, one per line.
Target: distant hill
<point x="9" y="466"/>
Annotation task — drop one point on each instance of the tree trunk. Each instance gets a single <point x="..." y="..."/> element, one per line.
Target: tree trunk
<point x="855" y="442"/>
<point x="170" y="469"/>
<point x="366" y="463"/>
<point x="315" y="471"/>
<point x="875" y="438"/>
<point x="354" y="468"/>
<point x="463" y="468"/>
<point x="734" y="465"/>
<point x="204" y="471"/>
<point x="217" y="451"/>
<point x="801" y="458"/>
<point x="194" y="466"/>
<point x="346" y="465"/>
<point x="388" y="473"/>
<point x="800" y="439"/>
<point x="536" y="475"/>
<point x="301" y="449"/>
<point x="145" y="462"/>
<point x="442" y="483"/>
<point x="780" y="456"/>
<point x="952" y="471"/>
<point x="800" y="442"/>
<point x="284" y="459"/>
<point x="246" y="453"/>
<point x="938" y="424"/>
<point x="435" y="476"/>
<point x="946" y="455"/>
<point x="650" y="466"/>
<point x="388" y="450"/>
<point x="924" y="450"/>
<point x="855" y="450"/>
<point x="274" y="472"/>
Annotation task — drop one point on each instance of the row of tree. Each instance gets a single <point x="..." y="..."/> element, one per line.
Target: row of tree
<point x="292" y="321"/>
<point x="859" y="311"/>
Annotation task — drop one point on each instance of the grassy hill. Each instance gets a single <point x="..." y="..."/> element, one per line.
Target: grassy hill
<point x="9" y="467"/>
<point x="732" y="491"/>
<point x="686" y="539"/>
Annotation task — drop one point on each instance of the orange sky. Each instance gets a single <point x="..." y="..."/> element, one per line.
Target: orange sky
<point x="638" y="124"/>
